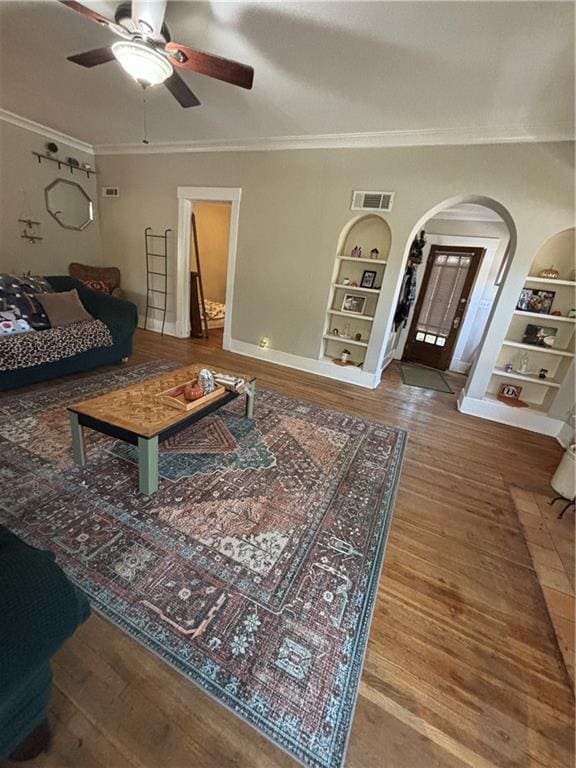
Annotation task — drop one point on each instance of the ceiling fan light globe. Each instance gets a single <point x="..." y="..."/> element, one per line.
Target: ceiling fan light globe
<point x="141" y="62"/>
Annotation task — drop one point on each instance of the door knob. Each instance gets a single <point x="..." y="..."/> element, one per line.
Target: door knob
<point x="456" y="322"/>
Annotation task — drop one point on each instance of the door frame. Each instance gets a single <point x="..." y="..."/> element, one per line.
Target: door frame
<point x="187" y="196"/>
<point x="422" y="293"/>
<point x="492" y="246"/>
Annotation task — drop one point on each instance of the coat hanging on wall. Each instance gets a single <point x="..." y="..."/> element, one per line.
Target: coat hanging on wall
<point x="408" y="289"/>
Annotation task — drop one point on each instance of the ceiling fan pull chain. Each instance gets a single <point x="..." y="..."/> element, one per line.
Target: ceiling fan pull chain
<point x="144" y="116"/>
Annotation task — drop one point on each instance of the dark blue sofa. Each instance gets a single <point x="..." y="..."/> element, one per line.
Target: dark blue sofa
<point x="120" y="316"/>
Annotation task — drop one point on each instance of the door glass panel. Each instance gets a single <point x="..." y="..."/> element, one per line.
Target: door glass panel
<point x="430" y="338"/>
<point x="419" y="336"/>
<point x="443" y="291"/>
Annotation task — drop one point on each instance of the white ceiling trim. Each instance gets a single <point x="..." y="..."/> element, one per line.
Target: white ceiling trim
<point x="427" y="137"/>
<point x="44" y="130"/>
<point x="412" y="138"/>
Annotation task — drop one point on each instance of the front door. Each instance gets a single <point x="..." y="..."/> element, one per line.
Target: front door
<point x="446" y="287"/>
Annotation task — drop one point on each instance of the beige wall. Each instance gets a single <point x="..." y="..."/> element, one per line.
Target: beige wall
<point x="295" y="204"/>
<point x="213" y="228"/>
<point x="22" y="184"/>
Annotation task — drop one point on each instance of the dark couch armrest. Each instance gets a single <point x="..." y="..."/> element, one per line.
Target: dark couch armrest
<point x="120" y="316"/>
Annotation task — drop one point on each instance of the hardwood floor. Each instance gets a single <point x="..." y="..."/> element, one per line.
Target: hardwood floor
<point x="462" y="667"/>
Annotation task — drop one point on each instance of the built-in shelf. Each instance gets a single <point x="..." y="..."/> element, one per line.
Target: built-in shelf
<point x="351" y="315"/>
<point x="328" y="359"/>
<point x="549" y="281"/>
<point x="368" y="234"/>
<point x="362" y="260"/>
<point x="540" y="316"/>
<point x="534" y="348"/>
<point x="527" y="377"/>
<point x="530" y="406"/>
<point x="88" y="171"/>
<point x="343" y="340"/>
<point x="356" y="288"/>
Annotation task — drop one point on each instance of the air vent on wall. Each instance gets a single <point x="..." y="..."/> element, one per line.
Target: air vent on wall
<point x="110" y="191"/>
<point x="372" y="201"/>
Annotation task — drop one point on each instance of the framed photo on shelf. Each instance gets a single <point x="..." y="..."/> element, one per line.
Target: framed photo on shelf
<point x="510" y="391"/>
<point x="539" y="302"/>
<point x="539" y="335"/>
<point x="368" y="278"/>
<point x="353" y="304"/>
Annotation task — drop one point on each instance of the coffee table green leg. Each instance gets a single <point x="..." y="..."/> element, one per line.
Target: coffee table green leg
<point x="77" y="439"/>
<point x="148" y="465"/>
<point x="250" y="397"/>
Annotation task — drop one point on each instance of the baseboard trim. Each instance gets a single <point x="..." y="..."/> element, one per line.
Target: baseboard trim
<point x="308" y="365"/>
<point x="156" y="325"/>
<point x="459" y="366"/>
<point x="525" y="418"/>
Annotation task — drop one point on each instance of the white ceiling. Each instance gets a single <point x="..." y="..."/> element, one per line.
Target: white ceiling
<point x="320" y="68"/>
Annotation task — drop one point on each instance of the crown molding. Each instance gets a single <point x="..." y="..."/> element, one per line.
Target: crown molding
<point x="44" y="130"/>
<point x="383" y="139"/>
<point x="552" y="132"/>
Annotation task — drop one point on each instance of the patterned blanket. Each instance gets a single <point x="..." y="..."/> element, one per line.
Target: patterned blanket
<point x="27" y="349"/>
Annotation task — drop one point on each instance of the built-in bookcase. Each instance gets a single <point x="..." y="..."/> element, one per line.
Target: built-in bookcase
<point x="342" y="326"/>
<point x="539" y="393"/>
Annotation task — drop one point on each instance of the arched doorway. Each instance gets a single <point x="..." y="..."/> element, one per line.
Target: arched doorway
<point x="446" y="297"/>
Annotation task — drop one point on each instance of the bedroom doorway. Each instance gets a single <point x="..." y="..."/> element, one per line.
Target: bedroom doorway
<point x="217" y="212"/>
<point x="208" y="269"/>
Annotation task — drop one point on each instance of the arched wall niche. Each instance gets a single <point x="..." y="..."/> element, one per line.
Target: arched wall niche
<point x="558" y="252"/>
<point x="368" y="231"/>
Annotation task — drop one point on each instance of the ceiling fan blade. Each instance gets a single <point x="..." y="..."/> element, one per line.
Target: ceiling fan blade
<point x="93" y="16"/>
<point x="180" y="91"/>
<point x="93" y="58"/>
<point x="214" y="66"/>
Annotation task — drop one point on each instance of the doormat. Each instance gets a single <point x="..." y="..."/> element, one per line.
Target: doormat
<point x="253" y="570"/>
<point x="425" y="378"/>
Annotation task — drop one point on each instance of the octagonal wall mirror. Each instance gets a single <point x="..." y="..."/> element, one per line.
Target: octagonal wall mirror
<point x="69" y="204"/>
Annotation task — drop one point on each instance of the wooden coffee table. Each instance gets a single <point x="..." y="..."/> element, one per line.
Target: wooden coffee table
<point x="138" y="416"/>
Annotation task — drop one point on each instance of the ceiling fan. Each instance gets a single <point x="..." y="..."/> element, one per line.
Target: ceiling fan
<point x="148" y="55"/>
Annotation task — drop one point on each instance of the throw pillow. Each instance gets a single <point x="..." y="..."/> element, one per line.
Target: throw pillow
<point x="17" y="295"/>
<point x="98" y="285"/>
<point x="63" y="308"/>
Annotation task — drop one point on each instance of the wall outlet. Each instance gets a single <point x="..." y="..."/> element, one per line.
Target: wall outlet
<point x="110" y="191"/>
<point x="263" y="342"/>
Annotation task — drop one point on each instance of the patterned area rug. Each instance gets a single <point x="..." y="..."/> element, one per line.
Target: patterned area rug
<point x="253" y="570"/>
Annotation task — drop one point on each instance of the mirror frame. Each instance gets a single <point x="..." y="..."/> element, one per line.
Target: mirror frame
<point x="50" y="186"/>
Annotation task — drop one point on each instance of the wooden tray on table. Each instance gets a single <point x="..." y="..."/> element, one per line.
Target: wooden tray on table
<point x="175" y="397"/>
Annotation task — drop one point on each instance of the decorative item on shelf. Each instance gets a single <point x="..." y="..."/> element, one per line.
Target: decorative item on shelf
<point x="335" y="332"/>
<point x="51" y="148"/>
<point x="417" y="248"/>
<point x="356" y="252"/>
<point x="543" y="374"/>
<point x="358" y="336"/>
<point x="368" y="278"/>
<point x="345" y="355"/>
<point x="346" y="332"/>
<point x="572" y="312"/>
<point x="353" y="284"/>
<point x="523" y="364"/>
<point x="572" y="275"/>
<point x="73" y="162"/>
<point x="508" y="367"/>
<point x="539" y="302"/>
<point x="374" y="253"/>
<point x="206" y="380"/>
<point x="539" y="335"/>
<point x="549" y="274"/>
<point x="509" y="394"/>
<point x="353" y="304"/>
<point x="86" y="167"/>
<point x="345" y="281"/>
<point x="556" y="313"/>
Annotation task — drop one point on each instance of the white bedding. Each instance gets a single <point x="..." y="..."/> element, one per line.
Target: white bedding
<point x="215" y="313"/>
